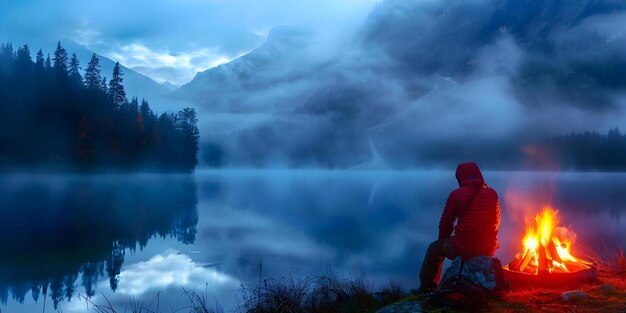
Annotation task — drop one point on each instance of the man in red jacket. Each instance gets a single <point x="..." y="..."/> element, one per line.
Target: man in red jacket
<point x="475" y="208"/>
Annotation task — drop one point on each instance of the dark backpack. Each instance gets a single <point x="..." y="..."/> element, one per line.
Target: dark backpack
<point x="460" y="293"/>
<point x="463" y="295"/>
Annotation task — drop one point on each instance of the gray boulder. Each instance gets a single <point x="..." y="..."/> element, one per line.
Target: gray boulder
<point x="573" y="295"/>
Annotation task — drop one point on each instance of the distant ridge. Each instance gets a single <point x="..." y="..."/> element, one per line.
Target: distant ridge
<point x="261" y="68"/>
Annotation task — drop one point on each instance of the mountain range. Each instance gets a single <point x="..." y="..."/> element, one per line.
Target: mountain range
<point x="418" y="84"/>
<point x="424" y="83"/>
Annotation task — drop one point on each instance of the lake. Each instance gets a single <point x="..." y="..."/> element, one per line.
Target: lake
<point x="143" y="238"/>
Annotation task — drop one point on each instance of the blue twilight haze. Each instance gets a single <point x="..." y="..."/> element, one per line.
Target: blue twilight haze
<point x="213" y="145"/>
<point x="168" y="40"/>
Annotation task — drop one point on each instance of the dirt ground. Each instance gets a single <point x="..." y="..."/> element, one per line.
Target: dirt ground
<point x="607" y="295"/>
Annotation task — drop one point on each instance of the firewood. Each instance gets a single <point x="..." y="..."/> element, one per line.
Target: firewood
<point x="574" y="266"/>
<point x="554" y="254"/>
<point x="544" y="262"/>
<point x="528" y="255"/>
<point x="530" y="270"/>
<point x="515" y="264"/>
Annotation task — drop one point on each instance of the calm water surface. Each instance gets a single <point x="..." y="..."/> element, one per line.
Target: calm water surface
<point x="145" y="237"/>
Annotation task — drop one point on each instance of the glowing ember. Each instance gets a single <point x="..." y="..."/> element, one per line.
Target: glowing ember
<point x="547" y="248"/>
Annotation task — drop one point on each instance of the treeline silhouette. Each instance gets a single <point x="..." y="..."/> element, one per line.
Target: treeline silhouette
<point x="589" y="151"/>
<point x="78" y="242"/>
<point x="52" y="116"/>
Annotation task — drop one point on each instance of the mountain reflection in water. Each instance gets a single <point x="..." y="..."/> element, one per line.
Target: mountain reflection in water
<point x="57" y="229"/>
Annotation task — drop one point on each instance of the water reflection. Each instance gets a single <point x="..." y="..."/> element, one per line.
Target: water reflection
<point x="308" y="222"/>
<point x="62" y="234"/>
<point x="163" y="271"/>
<point x="379" y="224"/>
<point x="58" y="231"/>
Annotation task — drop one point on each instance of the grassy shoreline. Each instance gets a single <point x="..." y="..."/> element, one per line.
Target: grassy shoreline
<point x="332" y="294"/>
<point x="325" y="294"/>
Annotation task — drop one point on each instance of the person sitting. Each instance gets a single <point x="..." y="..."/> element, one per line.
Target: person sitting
<point x="476" y="209"/>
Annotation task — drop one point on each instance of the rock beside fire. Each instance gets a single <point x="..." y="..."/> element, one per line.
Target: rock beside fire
<point x="608" y="288"/>
<point x="573" y="295"/>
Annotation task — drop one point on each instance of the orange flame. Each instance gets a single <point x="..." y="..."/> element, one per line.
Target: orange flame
<point x="548" y="246"/>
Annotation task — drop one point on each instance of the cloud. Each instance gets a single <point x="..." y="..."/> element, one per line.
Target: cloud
<point x="171" y="270"/>
<point x="427" y="82"/>
<point x="160" y="280"/>
<point x="218" y="30"/>
<point x="500" y="73"/>
<point x="164" y="65"/>
<point x="86" y="36"/>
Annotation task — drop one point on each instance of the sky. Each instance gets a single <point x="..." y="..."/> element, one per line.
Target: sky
<point x="170" y="40"/>
<point x="399" y="70"/>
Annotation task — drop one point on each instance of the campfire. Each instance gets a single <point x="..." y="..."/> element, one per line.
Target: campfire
<point x="547" y="252"/>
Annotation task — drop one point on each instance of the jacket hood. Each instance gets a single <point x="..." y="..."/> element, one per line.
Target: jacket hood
<point x="469" y="174"/>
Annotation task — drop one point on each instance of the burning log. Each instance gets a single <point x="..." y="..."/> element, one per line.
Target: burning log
<point x="515" y="264"/>
<point x="544" y="263"/>
<point x="547" y="255"/>
<point x="554" y="254"/>
<point x="527" y="257"/>
<point x="574" y="266"/>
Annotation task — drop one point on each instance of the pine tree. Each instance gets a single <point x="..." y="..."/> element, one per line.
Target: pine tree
<point x="145" y="121"/>
<point x="145" y="110"/>
<point x="134" y="106"/>
<point x="74" y="70"/>
<point x="48" y="65"/>
<point x="39" y="66"/>
<point x="60" y="60"/>
<point x="6" y="52"/>
<point x="23" y="59"/>
<point x="116" y="89"/>
<point x="101" y="130"/>
<point x="23" y="54"/>
<point x="103" y="85"/>
<point x="22" y="71"/>
<point x="187" y="124"/>
<point x="39" y="61"/>
<point x="92" y="74"/>
<point x="6" y="58"/>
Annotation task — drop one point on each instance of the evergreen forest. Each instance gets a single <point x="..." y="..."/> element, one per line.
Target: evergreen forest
<point x="54" y="115"/>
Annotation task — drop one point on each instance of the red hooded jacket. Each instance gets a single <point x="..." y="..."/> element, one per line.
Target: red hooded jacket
<point x="476" y="209"/>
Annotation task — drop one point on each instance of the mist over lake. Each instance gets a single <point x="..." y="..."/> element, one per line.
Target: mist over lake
<point x="150" y="234"/>
<point x="158" y="155"/>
